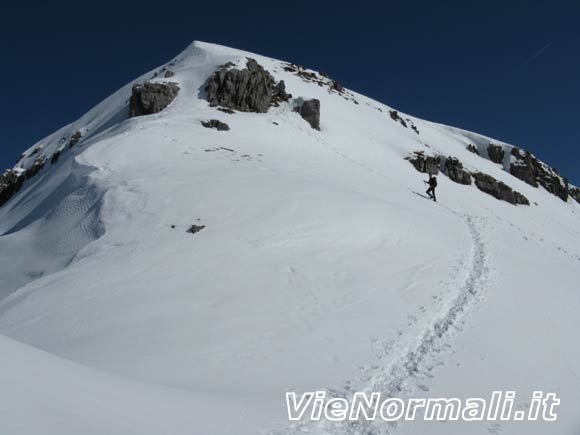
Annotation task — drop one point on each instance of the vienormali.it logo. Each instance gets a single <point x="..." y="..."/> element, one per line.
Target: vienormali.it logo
<point x="317" y="406"/>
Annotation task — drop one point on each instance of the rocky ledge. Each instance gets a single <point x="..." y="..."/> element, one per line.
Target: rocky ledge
<point x="149" y="98"/>
<point x="252" y="89"/>
<point x="425" y="164"/>
<point x="529" y="168"/>
<point x="453" y="168"/>
<point x="497" y="189"/>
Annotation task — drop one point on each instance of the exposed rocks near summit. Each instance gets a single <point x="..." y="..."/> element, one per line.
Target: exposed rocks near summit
<point x="310" y="112"/>
<point x="407" y="122"/>
<point x="252" y="89"/>
<point x="36" y="167"/>
<point x="495" y="153"/>
<point x="499" y="190"/>
<point x="75" y="138"/>
<point x="11" y="182"/>
<point x="280" y="93"/>
<point x="55" y="156"/>
<point x="454" y="170"/>
<point x="530" y="169"/>
<point x="149" y="98"/>
<point x="575" y="193"/>
<point x="395" y="117"/>
<point x="425" y="164"/>
<point x="522" y="166"/>
<point x="472" y="149"/>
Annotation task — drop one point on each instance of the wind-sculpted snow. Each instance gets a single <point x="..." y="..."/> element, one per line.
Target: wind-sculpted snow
<point x="180" y="279"/>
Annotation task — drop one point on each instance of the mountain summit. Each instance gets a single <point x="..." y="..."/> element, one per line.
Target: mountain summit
<point x="229" y="227"/>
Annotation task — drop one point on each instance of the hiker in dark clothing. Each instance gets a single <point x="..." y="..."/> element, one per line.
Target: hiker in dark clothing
<point x="432" y="185"/>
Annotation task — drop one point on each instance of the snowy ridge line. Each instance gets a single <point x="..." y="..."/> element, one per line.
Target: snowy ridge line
<point x="418" y="358"/>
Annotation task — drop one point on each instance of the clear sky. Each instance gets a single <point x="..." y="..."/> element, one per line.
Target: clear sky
<point x="507" y="69"/>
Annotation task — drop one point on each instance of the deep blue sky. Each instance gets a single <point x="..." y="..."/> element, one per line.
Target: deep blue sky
<point x="467" y="64"/>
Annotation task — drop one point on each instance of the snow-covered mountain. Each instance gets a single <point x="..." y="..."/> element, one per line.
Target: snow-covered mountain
<point x="230" y="227"/>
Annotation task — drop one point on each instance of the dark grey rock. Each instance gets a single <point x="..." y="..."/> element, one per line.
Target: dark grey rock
<point x="75" y="138"/>
<point x="425" y="164"/>
<point x="248" y="90"/>
<point x="280" y="93"/>
<point x="337" y="86"/>
<point x="11" y="182"/>
<point x="499" y="190"/>
<point x="149" y="98"/>
<point x="520" y="199"/>
<point x="168" y="74"/>
<point x="472" y="148"/>
<point x="575" y="193"/>
<point x="495" y="153"/>
<point x="530" y="169"/>
<point x="550" y="180"/>
<point x="35" y="151"/>
<point x="36" y="167"/>
<point x="214" y="123"/>
<point x="455" y="172"/>
<point x="523" y="167"/>
<point x="55" y="156"/>
<point x="195" y="229"/>
<point x="395" y="117"/>
<point x="310" y="111"/>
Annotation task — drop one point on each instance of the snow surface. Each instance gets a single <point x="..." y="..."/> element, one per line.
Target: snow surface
<point x="321" y="267"/>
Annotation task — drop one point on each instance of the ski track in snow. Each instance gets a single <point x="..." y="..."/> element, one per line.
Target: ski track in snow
<point x="414" y="356"/>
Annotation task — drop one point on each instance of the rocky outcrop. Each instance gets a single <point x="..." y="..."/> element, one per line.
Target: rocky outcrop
<point x="149" y="98"/>
<point x="495" y="153"/>
<point x="552" y="181"/>
<point x="407" y="122"/>
<point x="497" y="189"/>
<point x="395" y="117"/>
<point x="55" y="156"/>
<point x="310" y="111"/>
<point x="455" y="172"/>
<point x="425" y="164"/>
<point x="337" y="86"/>
<point x="75" y="138"/>
<point x="214" y="123"/>
<point x="575" y="193"/>
<point x="36" y="167"/>
<point x="522" y="166"/>
<point x="11" y="182"/>
<point x="473" y="149"/>
<point x="280" y="93"/>
<point x="35" y="151"/>
<point x="252" y="89"/>
<point x="530" y="169"/>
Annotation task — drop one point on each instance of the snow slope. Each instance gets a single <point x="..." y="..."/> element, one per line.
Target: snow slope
<point x="321" y="266"/>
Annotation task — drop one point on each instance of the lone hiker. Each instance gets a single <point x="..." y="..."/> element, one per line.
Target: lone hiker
<point x="432" y="185"/>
